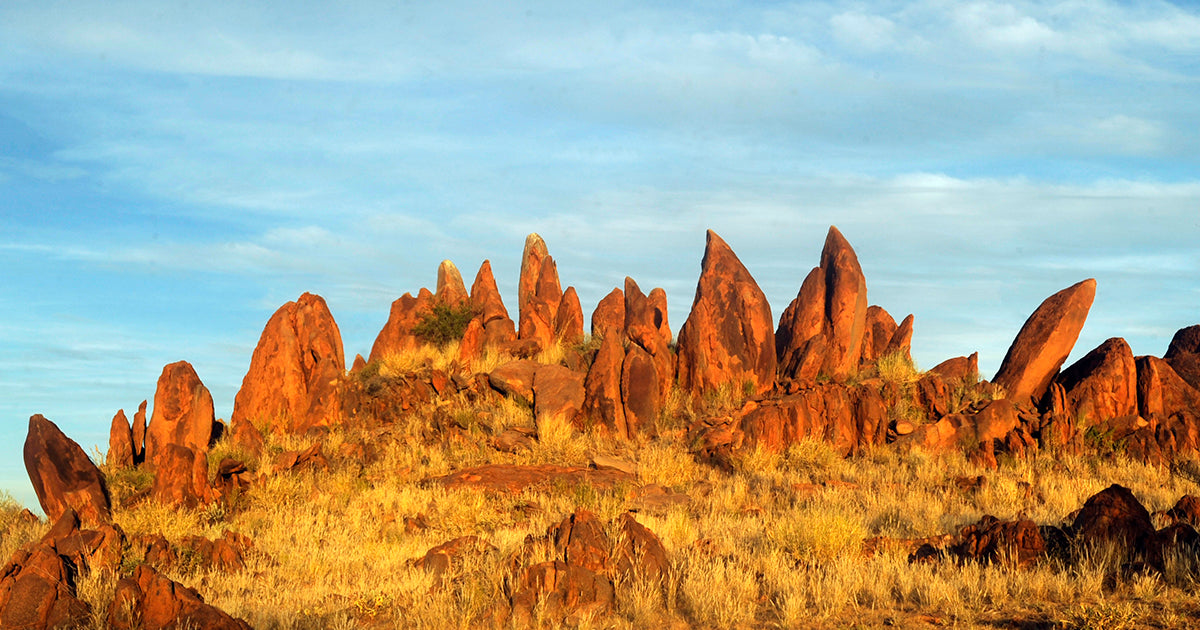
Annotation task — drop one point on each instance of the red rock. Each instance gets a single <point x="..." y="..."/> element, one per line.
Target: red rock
<point x="639" y="393"/>
<point x="247" y="437"/>
<point x="233" y="478"/>
<point x="638" y="553"/>
<point x="646" y="326"/>
<point x="1102" y="385"/>
<point x="228" y="552"/>
<point x="845" y="305"/>
<point x="959" y="368"/>
<point x="139" y="434"/>
<point x="539" y="293"/>
<point x="98" y="549"/>
<point x="292" y="380"/>
<point x="557" y="391"/>
<point x="850" y="419"/>
<point x="657" y="299"/>
<point x="150" y="601"/>
<point x="397" y="334"/>
<point x="580" y="541"/>
<point x="120" y="442"/>
<point x="450" y="288"/>
<point x="183" y="413"/>
<point x="1186" y="510"/>
<point x="1045" y="341"/>
<point x="995" y="420"/>
<point x="498" y="327"/>
<point x="991" y="540"/>
<point x="37" y="591"/>
<point x="515" y="379"/>
<point x="472" y="345"/>
<point x="609" y="316"/>
<point x="443" y="557"/>
<point x="1114" y="514"/>
<point x="531" y="270"/>
<point x="568" y="322"/>
<point x="901" y="342"/>
<point x="311" y="457"/>
<point x="564" y="593"/>
<point x="62" y="475"/>
<point x="728" y="339"/>
<point x="514" y="478"/>
<point x="1161" y="392"/>
<point x="180" y="476"/>
<point x="359" y="364"/>
<point x="877" y="332"/>
<point x="800" y="324"/>
<point x="1183" y="354"/>
<point x="602" y="389"/>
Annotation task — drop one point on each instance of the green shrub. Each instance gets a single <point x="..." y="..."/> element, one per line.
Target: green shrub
<point x="444" y="323"/>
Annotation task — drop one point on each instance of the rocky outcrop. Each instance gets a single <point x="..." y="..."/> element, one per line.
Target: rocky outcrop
<point x="609" y="316"/>
<point x="1168" y="421"/>
<point x="991" y="540"/>
<point x="292" y="381"/>
<point x="37" y="591"/>
<point x="557" y="391"/>
<point x="602" y="403"/>
<point x="568" y="321"/>
<point x="539" y="293"/>
<point x="139" y="434"/>
<point x="1114" y="514"/>
<point x="646" y="326"/>
<point x="878" y="330"/>
<point x="120" y="442"/>
<point x="1183" y="355"/>
<point x="850" y="419"/>
<point x="397" y="334"/>
<point x="958" y="368"/>
<point x="822" y="331"/>
<point x="1102" y="385"/>
<point x="62" y="475"/>
<point x="150" y="601"/>
<point x="181" y="476"/>
<point x="1045" y="341"/>
<point x="183" y="413"/>
<point x="498" y="327"/>
<point x="450" y="288"/>
<point x="515" y="379"/>
<point x="640" y="393"/>
<point x="728" y="339"/>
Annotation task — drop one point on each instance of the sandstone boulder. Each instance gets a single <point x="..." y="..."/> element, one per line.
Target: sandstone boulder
<point x="959" y="368"/>
<point x="515" y="379"/>
<point x="580" y="541"/>
<point x="1102" y="385"/>
<point x="96" y="549"/>
<point x="472" y="345"/>
<point x="565" y="593"/>
<point x="445" y="556"/>
<point x="992" y="540"/>
<point x="62" y="475"/>
<point x="728" y="339"/>
<point x="531" y="270"/>
<point x="292" y="380"/>
<point x="609" y="316"/>
<point x="646" y="326"/>
<point x="181" y="476"/>
<point x="849" y="418"/>
<point x="877" y="333"/>
<point x="120" y="442"/>
<point x="557" y="391"/>
<point x="397" y="334"/>
<point x="1184" y="354"/>
<point x="498" y="327"/>
<point x="151" y="601"/>
<point x="1045" y="341"/>
<point x="901" y="342"/>
<point x="1114" y="514"/>
<point x="450" y="288"/>
<point x="638" y="552"/>
<point x="602" y="389"/>
<point x="801" y="329"/>
<point x="1161" y="392"/>
<point x="183" y="413"/>
<point x="1186" y="510"/>
<point x="640" y="393"/>
<point x="37" y="591"/>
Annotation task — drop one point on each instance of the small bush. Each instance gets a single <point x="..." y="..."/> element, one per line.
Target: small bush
<point x="444" y="323"/>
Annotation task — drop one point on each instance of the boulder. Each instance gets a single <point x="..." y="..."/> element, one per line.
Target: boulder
<point x="609" y="316"/>
<point x="640" y="393"/>
<point x="120" y="442"/>
<point x="1114" y="514"/>
<point x="515" y="379"/>
<point x="579" y="540"/>
<point x="397" y="334"/>
<point x="292" y="380"/>
<point x="180" y="476"/>
<point x="564" y="593"/>
<point x="1044" y="342"/>
<point x="991" y="540"/>
<point x="62" y="475"/>
<point x="148" y="600"/>
<point x="1186" y="510"/>
<point x="37" y="591"/>
<point x="450" y="288"/>
<point x="557" y="391"/>
<point x="728" y="339"/>
<point x="183" y="413"/>
<point x="539" y="294"/>
<point x="1102" y="385"/>
<point x="996" y="420"/>
<point x="901" y="342"/>
<point x="959" y="368"/>
<point x="1161" y="392"/>
<point x="96" y="549"/>
<point x="602" y="402"/>
<point x="877" y="333"/>
<point x="498" y="327"/>
<point x="1183" y="354"/>
<point x="472" y="345"/>
<point x="851" y="419"/>
<point x="800" y="340"/>
<point x="638" y="552"/>
<point x="568" y="321"/>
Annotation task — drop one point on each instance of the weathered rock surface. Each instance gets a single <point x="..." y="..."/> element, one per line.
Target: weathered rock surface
<point x="991" y="540"/>
<point x="292" y="380"/>
<point x="877" y="333"/>
<point x="37" y="591"/>
<point x="557" y="391"/>
<point x="531" y="270"/>
<point x="602" y="389"/>
<point x="958" y="368"/>
<point x="98" y="548"/>
<point x="1102" y="385"/>
<point x="728" y="339"/>
<point x="609" y="316"/>
<point x="638" y="552"/>
<point x="1045" y="341"/>
<point x="151" y="601"/>
<point x="181" y="476"/>
<point x="646" y="326"/>
<point x="120" y="442"/>
<point x="62" y="475"/>
<point x="579" y="540"/>
<point x="1184" y="354"/>
<point x="850" y="419"/>
<point x="498" y="327"/>
<point x="568" y="321"/>
<point x="1114" y="514"/>
<point x="450" y="288"/>
<point x="514" y="478"/>
<point x="443" y="557"/>
<point x="640" y="393"/>
<point x="397" y="334"/>
<point x="565" y="593"/>
<point x="183" y="413"/>
<point x="515" y="379"/>
<point x="539" y="294"/>
<point x="139" y="434"/>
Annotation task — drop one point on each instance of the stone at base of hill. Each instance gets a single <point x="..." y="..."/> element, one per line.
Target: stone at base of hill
<point x="514" y="478"/>
<point x="565" y="593"/>
<point x="958" y="368"/>
<point x="149" y="601"/>
<point x="62" y="474"/>
<point x="120" y="442"/>
<point x="1114" y="514"/>
<point x="515" y="379"/>
<point x="37" y="591"/>
<point x="557" y="391"/>
<point x="992" y="540"/>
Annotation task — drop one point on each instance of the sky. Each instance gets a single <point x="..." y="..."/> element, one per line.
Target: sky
<point x="173" y="172"/>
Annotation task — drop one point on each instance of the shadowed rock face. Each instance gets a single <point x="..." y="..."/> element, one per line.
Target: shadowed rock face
<point x="37" y="590"/>
<point x="1114" y="514"/>
<point x="1103" y="384"/>
<point x="292" y="380"/>
<point x="729" y="338"/>
<point x="602" y="400"/>
<point x="62" y="475"/>
<point x="1045" y="341"/>
<point x="568" y="321"/>
<point x="1184" y="354"/>
<point x="845" y="304"/>
<point x="646" y="326"/>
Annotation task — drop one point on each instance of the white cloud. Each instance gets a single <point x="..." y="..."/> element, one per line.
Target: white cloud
<point x="861" y="31"/>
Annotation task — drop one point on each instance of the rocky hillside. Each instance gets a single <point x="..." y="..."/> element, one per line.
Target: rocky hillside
<point x="606" y="460"/>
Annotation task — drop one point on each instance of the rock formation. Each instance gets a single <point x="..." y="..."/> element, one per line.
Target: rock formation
<point x="150" y="601"/>
<point x="397" y="334"/>
<point x="1045" y="341"/>
<point x="728" y="339"/>
<point x="568" y="321"/>
<point x="120" y="442"/>
<point x="498" y="327"/>
<point x="609" y="316"/>
<point x="646" y="326"/>
<point x="37" y="591"/>
<point x="1103" y="384"/>
<point x="450" y="288"/>
<point x="292" y="381"/>
<point x="1184" y="354"/>
<point x="183" y="413"/>
<point x="62" y="475"/>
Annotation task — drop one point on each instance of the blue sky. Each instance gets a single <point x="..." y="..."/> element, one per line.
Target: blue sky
<point x="170" y="173"/>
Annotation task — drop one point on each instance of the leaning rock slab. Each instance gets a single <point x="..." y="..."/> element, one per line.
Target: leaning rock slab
<point x="62" y="475"/>
<point x="729" y="337"/>
<point x="1045" y="341"/>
